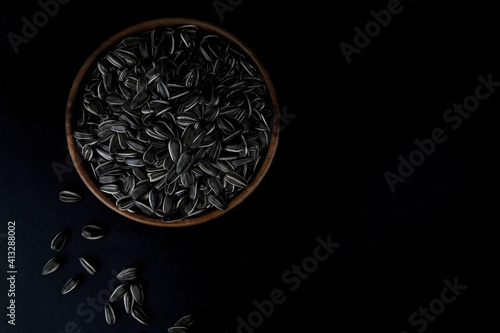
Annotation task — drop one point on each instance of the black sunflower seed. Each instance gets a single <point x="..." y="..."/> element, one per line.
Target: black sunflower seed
<point x="236" y="179"/>
<point x="184" y="321"/>
<point x="88" y="265"/>
<point x="178" y="329"/>
<point x="118" y="293"/>
<point x="59" y="240"/>
<point x="128" y="301"/>
<point x="128" y="274"/>
<point x="184" y="162"/>
<point x="139" y="314"/>
<point x="109" y="314"/>
<point x="137" y="292"/>
<point x="69" y="196"/>
<point x="216" y="200"/>
<point x="92" y="232"/>
<point x="51" y="266"/>
<point x="70" y="284"/>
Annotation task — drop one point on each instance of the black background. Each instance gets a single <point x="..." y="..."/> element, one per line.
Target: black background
<point x="346" y="126"/>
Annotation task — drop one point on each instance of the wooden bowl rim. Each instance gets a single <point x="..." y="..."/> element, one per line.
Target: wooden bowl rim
<point x="79" y="163"/>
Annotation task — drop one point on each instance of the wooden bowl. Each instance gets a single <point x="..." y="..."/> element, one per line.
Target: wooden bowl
<point x="81" y="165"/>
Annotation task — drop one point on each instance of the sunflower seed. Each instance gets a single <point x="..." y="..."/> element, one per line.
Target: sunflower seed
<point x="128" y="274"/>
<point x="51" y="266"/>
<point x="217" y="201"/>
<point x="184" y="321"/>
<point x="70" y="284"/>
<point x="137" y="292"/>
<point x="109" y="314"/>
<point x="59" y="240"/>
<point x="86" y="263"/>
<point x="236" y="179"/>
<point x="128" y="301"/>
<point x="140" y="191"/>
<point x="207" y="167"/>
<point x="110" y="188"/>
<point x="107" y="179"/>
<point x="140" y="99"/>
<point x="68" y="196"/>
<point x="178" y="329"/>
<point x="139" y="314"/>
<point x="118" y="293"/>
<point x="144" y="208"/>
<point x="175" y="149"/>
<point x="125" y="202"/>
<point x="184" y="162"/>
<point x="92" y="232"/>
<point x="132" y="42"/>
<point x="214" y="184"/>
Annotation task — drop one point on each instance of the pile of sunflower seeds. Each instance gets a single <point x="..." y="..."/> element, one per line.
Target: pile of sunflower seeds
<point x="132" y="293"/>
<point x="173" y="122"/>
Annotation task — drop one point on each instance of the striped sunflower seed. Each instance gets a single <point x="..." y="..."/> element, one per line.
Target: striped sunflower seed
<point x="69" y="196"/>
<point x="125" y="202"/>
<point x="51" y="266"/>
<point x="137" y="292"/>
<point x="59" y="240"/>
<point x="109" y="313"/>
<point x="128" y="301"/>
<point x="119" y="292"/>
<point x="92" y="232"/>
<point x="184" y="321"/>
<point x="216" y="200"/>
<point x="139" y="314"/>
<point x="236" y="179"/>
<point x="128" y="274"/>
<point x="178" y="329"/>
<point x="87" y="264"/>
<point x="70" y="284"/>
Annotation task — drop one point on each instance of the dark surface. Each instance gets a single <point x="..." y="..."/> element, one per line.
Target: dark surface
<point x="351" y="121"/>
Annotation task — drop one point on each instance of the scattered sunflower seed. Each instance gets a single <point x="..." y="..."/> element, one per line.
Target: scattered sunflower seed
<point x="68" y="196"/>
<point x="137" y="292"/>
<point x="178" y="329"/>
<point x="128" y="301"/>
<point x="70" y="284"/>
<point x="59" y="240"/>
<point x="128" y="274"/>
<point x="184" y="321"/>
<point x="51" y="266"/>
<point x="109" y="314"/>
<point x="92" y="232"/>
<point x="139" y="314"/>
<point x="86" y="263"/>
<point x="118" y="293"/>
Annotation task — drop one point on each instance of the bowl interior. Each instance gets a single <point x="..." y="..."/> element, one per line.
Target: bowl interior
<point x="81" y="165"/>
